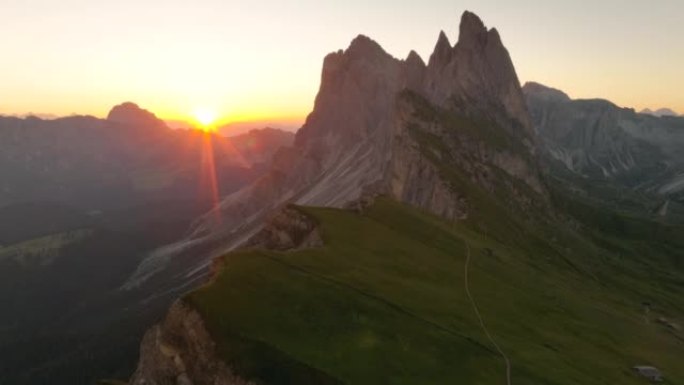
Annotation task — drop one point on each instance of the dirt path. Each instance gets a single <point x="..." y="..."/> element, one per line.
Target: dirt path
<point x="479" y="317"/>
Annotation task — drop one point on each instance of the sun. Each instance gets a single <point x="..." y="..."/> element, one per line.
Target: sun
<point x="206" y="118"/>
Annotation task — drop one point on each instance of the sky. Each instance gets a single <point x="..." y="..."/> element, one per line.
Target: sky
<point x="260" y="60"/>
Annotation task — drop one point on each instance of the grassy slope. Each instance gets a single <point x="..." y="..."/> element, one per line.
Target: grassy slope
<point x="384" y="302"/>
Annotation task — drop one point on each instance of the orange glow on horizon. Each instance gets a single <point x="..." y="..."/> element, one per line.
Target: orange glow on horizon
<point x="220" y="119"/>
<point x="265" y="64"/>
<point x="205" y="119"/>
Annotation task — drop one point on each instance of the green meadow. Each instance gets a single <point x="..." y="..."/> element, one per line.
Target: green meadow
<point x="384" y="302"/>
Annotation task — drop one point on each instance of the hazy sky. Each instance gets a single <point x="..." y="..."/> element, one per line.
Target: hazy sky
<point x="261" y="59"/>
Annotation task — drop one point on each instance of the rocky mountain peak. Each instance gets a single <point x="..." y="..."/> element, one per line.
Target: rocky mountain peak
<point x="356" y="84"/>
<point x="357" y="139"/>
<point x="414" y="70"/>
<point x="354" y="120"/>
<point x="413" y="59"/>
<point x="659" y="112"/>
<point x="472" y="30"/>
<point x="364" y="47"/>
<point x="131" y="114"/>
<point x="665" y="112"/>
<point x="442" y="53"/>
<point x="477" y="77"/>
<point x="537" y="90"/>
<point x="493" y="38"/>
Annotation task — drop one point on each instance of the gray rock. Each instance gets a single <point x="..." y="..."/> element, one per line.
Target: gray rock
<point x="180" y="351"/>
<point x="595" y="147"/>
<point x="595" y="138"/>
<point x="288" y="229"/>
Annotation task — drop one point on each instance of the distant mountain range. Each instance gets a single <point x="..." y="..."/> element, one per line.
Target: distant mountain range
<point x="595" y="145"/>
<point x="238" y="128"/>
<point x="82" y="202"/>
<point x="130" y="157"/>
<point x="660" y="112"/>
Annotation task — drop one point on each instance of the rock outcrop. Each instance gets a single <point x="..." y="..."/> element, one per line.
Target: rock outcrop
<point x="477" y="77"/>
<point x="288" y="229"/>
<point x="180" y="351"/>
<point x="659" y="112"/>
<point x="596" y="138"/>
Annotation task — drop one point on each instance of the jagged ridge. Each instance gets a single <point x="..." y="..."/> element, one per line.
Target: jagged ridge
<point x="356" y="139"/>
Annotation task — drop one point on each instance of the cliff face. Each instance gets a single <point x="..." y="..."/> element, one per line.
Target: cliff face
<point x="477" y="77"/>
<point x="356" y="138"/>
<point x="594" y="146"/>
<point x="597" y="139"/>
<point x="180" y="351"/>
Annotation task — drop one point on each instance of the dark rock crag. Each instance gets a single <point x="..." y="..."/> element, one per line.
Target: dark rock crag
<point x="180" y="351"/>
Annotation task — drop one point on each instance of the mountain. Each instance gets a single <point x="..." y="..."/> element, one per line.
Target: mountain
<point x="377" y="125"/>
<point x="239" y="128"/>
<point x="415" y="233"/>
<point x="257" y="146"/>
<point x="431" y="222"/>
<point x="83" y="202"/>
<point x="600" y="149"/>
<point x="129" y="114"/>
<point x="660" y="112"/>
<point x="352" y="141"/>
<point x="372" y="116"/>
<point x="95" y="164"/>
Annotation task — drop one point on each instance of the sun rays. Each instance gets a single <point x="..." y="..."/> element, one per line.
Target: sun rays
<point x="205" y="118"/>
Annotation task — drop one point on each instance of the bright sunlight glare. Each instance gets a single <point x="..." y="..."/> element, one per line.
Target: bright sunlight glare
<point x="205" y="117"/>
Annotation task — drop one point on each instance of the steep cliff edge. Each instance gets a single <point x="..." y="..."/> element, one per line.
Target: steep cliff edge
<point x="603" y="151"/>
<point x="180" y="351"/>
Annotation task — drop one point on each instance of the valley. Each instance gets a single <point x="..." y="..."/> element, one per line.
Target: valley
<point x="97" y="200"/>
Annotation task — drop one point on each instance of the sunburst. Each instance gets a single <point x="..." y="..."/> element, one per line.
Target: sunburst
<point x="205" y="118"/>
